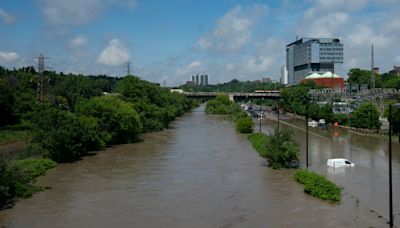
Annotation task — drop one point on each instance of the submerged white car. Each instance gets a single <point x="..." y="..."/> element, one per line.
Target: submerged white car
<point x="339" y="162"/>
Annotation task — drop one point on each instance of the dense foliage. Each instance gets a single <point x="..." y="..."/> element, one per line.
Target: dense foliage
<point x="363" y="77"/>
<point x="317" y="185"/>
<point x="244" y="125"/>
<point x="366" y="116"/>
<point x="75" y="117"/>
<point x="234" y="86"/>
<point x="156" y="106"/>
<point x="117" y="119"/>
<point x="295" y="99"/>
<point x="279" y="149"/>
<point x="395" y="118"/>
<point x="282" y="150"/>
<point x="17" y="178"/>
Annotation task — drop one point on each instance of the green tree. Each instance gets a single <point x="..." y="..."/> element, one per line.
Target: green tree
<point x="116" y="117"/>
<point x="6" y="103"/>
<point x="64" y="136"/>
<point x="366" y="116"/>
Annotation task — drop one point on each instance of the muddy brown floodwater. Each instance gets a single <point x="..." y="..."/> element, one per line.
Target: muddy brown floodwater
<point x="199" y="173"/>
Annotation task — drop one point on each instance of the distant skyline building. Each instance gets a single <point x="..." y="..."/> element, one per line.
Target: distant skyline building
<point x="312" y="55"/>
<point x="284" y="75"/>
<point x="200" y="79"/>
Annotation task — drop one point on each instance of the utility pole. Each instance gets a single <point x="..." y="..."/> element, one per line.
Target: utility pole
<point x="39" y="90"/>
<point x="128" y="68"/>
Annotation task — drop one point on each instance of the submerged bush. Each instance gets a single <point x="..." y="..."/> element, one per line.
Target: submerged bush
<point x="281" y="150"/>
<point x="244" y="125"/>
<point x="317" y="185"/>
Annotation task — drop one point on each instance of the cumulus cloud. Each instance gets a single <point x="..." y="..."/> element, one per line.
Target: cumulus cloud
<point x="78" y="42"/>
<point x="77" y="12"/>
<point x="114" y="54"/>
<point x="192" y="68"/>
<point x="8" y="18"/>
<point x="8" y="56"/>
<point x="233" y="30"/>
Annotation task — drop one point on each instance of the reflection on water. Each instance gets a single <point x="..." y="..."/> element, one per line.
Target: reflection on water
<point x="200" y="173"/>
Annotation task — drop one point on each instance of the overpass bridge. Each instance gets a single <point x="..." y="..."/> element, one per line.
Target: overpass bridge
<point x="235" y="96"/>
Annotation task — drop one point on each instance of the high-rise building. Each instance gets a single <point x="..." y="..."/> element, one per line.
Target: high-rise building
<point x="265" y="80"/>
<point x="284" y="75"/>
<point x="308" y="55"/>
<point x="200" y="80"/>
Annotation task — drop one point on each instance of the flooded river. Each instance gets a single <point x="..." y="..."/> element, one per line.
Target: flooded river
<point x="201" y="173"/>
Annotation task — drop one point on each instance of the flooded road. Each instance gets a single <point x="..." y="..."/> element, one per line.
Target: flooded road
<point x="368" y="180"/>
<point x="200" y="173"/>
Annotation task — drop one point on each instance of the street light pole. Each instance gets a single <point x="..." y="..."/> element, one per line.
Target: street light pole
<point x="260" y="117"/>
<point x="278" y="115"/>
<point x="390" y="169"/>
<point x="307" y="139"/>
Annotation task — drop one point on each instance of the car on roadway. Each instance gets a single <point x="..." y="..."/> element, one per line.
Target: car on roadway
<point x="339" y="162"/>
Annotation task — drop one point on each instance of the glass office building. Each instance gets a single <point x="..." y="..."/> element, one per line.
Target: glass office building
<point x="312" y="55"/>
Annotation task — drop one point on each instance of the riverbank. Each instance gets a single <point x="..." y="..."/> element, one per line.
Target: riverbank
<point x="198" y="173"/>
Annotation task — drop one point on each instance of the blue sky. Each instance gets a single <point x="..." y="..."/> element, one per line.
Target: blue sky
<point x="171" y="40"/>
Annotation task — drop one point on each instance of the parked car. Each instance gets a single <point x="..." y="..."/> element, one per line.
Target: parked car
<point x="313" y="123"/>
<point x="339" y="162"/>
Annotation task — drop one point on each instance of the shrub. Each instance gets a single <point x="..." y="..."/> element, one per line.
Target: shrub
<point x="366" y="116"/>
<point x="17" y="178"/>
<point x="64" y="136"/>
<point x="244" y="125"/>
<point x="317" y="185"/>
<point x="282" y="150"/>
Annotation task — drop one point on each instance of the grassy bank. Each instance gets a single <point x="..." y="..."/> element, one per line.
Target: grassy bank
<point x="259" y="143"/>
<point x="17" y="179"/>
<point x="318" y="186"/>
<point x="10" y="136"/>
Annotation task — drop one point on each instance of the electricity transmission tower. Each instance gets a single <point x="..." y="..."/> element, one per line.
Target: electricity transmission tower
<point x="128" y="68"/>
<point x="40" y="85"/>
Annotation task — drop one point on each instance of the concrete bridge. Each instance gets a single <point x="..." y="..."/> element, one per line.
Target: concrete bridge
<point x="235" y="96"/>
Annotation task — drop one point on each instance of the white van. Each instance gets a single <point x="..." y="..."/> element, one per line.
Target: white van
<point x="339" y="162"/>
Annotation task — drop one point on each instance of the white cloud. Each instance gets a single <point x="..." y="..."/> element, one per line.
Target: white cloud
<point x="233" y="30"/>
<point x="8" y="18"/>
<point x="322" y="24"/>
<point x="77" y="12"/>
<point x="363" y="35"/>
<point x="114" y="54"/>
<point x="78" y="42"/>
<point x="193" y="68"/>
<point x="8" y="56"/>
